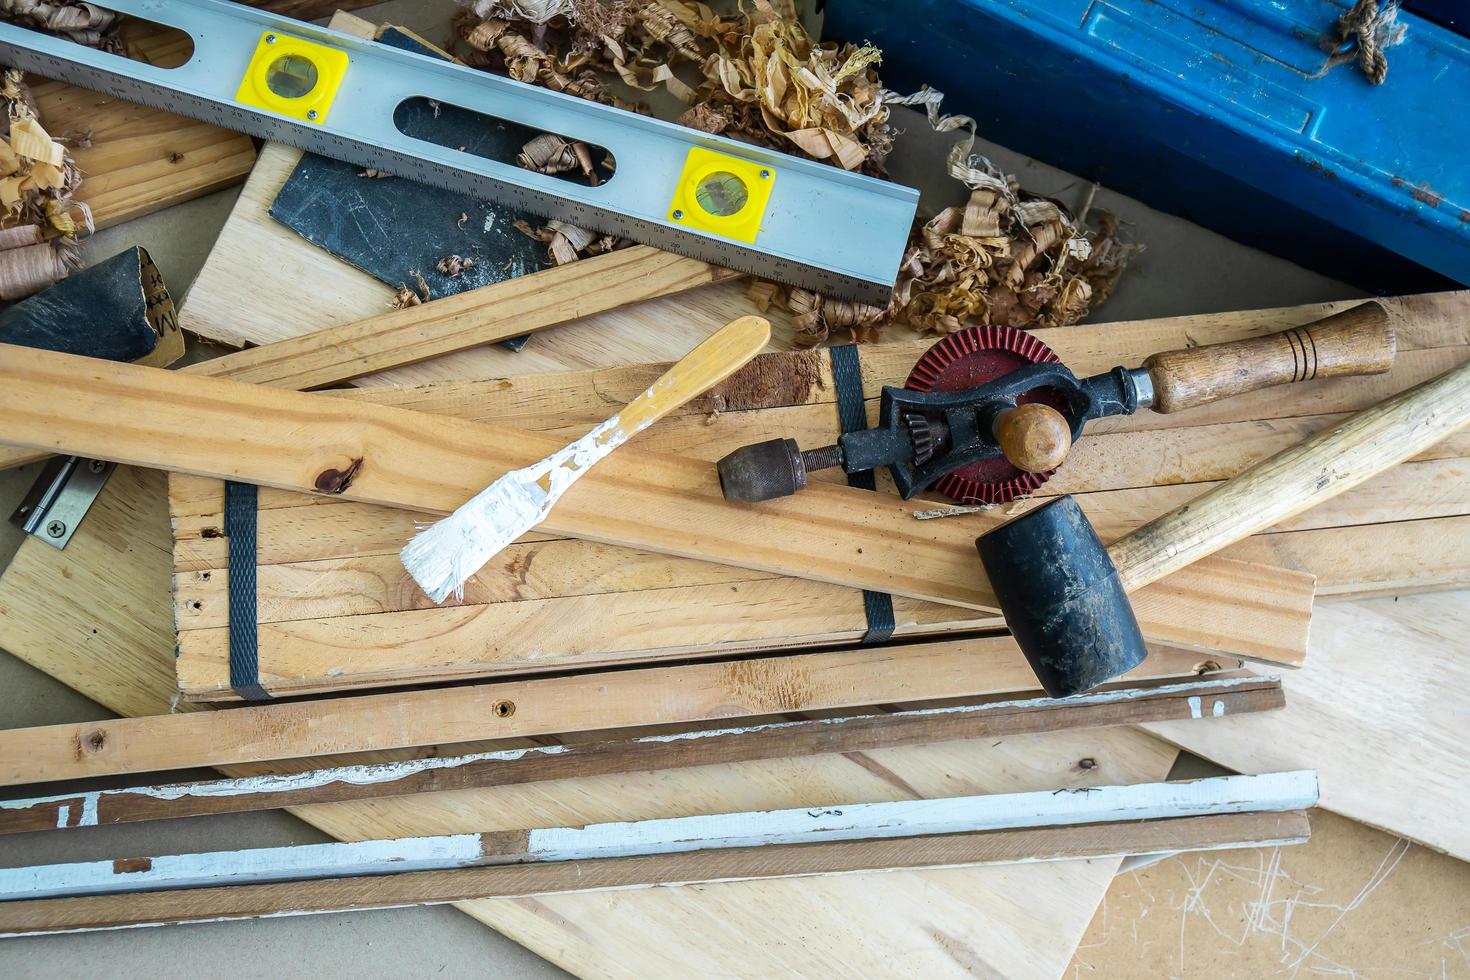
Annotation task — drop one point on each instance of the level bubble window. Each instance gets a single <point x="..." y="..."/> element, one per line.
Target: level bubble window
<point x="291" y="76"/>
<point x="721" y="193"/>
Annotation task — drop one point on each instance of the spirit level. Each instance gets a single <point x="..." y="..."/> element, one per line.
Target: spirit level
<point x="727" y="203"/>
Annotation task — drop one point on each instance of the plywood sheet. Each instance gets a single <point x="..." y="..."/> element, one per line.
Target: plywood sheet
<point x="1351" y="902"/>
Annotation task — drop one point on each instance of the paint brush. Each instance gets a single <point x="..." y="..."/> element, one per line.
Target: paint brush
<point x="443" y="556"/>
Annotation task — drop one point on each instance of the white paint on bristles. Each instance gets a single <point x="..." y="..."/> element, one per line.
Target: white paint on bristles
<point x="389" y="772"/>
<point x="855" y="821"/>
<point x="442" y="557"/>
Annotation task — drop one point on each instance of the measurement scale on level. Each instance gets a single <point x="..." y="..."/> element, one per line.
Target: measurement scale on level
<point x="734" y="205"/>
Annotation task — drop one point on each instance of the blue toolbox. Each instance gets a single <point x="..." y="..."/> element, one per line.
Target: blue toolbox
<point x="1231" y="113"/>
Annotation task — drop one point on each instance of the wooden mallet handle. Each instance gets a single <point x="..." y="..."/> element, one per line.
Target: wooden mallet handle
<point x="1296" y="478"/>
<point x="1355" y="341"/>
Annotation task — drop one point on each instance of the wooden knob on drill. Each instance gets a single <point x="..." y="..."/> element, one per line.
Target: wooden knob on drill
<point x="1034" y="437"/>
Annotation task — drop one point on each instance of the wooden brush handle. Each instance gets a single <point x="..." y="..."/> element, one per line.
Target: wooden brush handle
<point x="720" y="355"/>
<point x="1355" y="341"/>
<point x="1297" y="478"/>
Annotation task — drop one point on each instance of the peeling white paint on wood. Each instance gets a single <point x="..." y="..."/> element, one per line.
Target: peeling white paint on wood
<point x="857" y="821"/>
<point x="912" y="818"/>
<point x="254" y="865"/>
<point x="389" y="772"/>
<point x="1224" y="845"/>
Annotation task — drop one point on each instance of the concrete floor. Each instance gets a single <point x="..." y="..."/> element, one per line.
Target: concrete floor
<point x="1185" y="269"/>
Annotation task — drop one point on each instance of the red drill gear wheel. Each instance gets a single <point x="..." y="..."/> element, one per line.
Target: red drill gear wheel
<point x="971" y="358"/>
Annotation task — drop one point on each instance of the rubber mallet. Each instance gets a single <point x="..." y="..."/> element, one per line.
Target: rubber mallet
<point x="1065" y="596"/>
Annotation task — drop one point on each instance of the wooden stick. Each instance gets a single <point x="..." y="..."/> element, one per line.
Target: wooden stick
<point x="480" y="316"/>
<point x="1274" y="792"/>
<point x="510" y="709"/>
<point x="1213" y="832"/>
<point x="1297" y="478"/>
<point x="383" y="455"/>
<point x="1206" y="698"/>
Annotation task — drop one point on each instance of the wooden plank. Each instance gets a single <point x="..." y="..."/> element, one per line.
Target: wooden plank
<point x="1270" y="792"/>
<point x="481" y="316"/>
<point x="711" y="621"/>
<point x="523" y="305"/>
<point x="508" y="709"/>
<point x="386" y="455"/>
<point x="141" y="159"/>
<point x="1211" y="697"/>
<point x="728" y="865"/>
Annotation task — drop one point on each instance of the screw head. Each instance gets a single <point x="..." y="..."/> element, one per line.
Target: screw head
<point x="765" y="175"/>
<point x="270" y="39"/>
<point x="96" y="465"/>
<point x="56" y="529"/>
<point x="678" y="215"/>
<point x="310" y="113"/>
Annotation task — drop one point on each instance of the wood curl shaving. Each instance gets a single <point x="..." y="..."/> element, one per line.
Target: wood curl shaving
<point x="567" y="243"/>
<point x="552" y="154"/>
<point x="453" y="265"/>
<point x="41" y="223"/>
<point x="83" y="23"/>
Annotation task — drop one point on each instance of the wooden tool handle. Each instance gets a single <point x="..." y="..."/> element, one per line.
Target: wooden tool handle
<point x="1297" y="478"/>
<point x="1355" y="341"/>
<point x="721" y="354"/>
<point x="1034" y="437"/>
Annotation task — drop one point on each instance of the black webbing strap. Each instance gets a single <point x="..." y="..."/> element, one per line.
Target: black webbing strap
<point x="240" y="507"/>
<point x="847" y="377"/>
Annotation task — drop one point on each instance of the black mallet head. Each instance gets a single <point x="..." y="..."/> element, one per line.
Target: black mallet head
<point x="1062" y="598"/>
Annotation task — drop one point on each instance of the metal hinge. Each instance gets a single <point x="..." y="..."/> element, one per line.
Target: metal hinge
<point x="61" y="497"/>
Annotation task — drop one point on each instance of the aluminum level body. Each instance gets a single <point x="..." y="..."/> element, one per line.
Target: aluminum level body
<point x="824" y="228"/>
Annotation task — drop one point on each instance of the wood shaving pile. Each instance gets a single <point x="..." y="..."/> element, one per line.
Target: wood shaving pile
<point x="1004" y="257"/>
<point x="83" y="23"/>
<point x="38" y="243"/>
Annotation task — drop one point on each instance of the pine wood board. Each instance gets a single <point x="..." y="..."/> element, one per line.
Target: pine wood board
<point x="141" y="159"/>
<point x="338" y="611"/>
<point x="1352" y="901"/>
<point x="1379" y="710"/>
